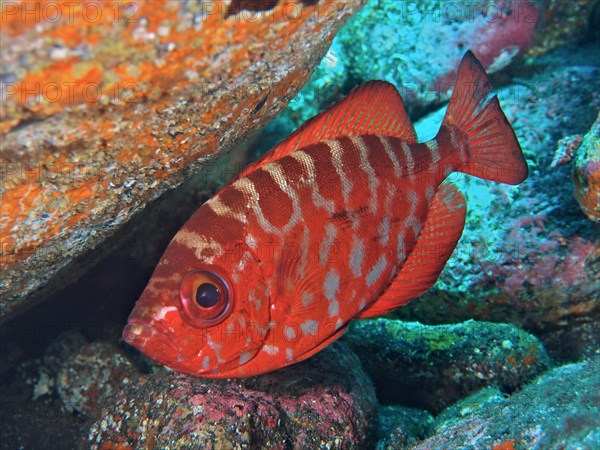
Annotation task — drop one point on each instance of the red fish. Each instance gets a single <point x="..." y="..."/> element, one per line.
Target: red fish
<point x="347" y="218"/>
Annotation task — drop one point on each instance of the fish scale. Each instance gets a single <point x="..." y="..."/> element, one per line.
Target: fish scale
<point x="348" y="218"/>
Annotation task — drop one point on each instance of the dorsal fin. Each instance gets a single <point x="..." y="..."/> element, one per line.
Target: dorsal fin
<point x="441" y="232"/>
<point x="374" y="107"/>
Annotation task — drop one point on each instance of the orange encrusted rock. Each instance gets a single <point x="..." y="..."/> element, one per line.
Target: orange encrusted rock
<point x="106" y="105"/>
<point x="586" y="173"/>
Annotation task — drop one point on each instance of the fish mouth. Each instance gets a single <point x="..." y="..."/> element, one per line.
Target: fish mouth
<point x="151" y="341"/>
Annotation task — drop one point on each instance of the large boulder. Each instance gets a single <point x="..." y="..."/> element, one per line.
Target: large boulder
<point x="431" y="367"/>
<point x="431" y="36"/>
<point x="558" y="410"/>
<point x="325" y="402"/>
<point x="105" y="108"/>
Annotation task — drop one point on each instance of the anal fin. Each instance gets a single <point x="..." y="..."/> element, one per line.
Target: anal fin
<point x="439" y="236"/>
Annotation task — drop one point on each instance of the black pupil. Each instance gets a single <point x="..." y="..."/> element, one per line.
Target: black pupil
<point x="207" y="295"/>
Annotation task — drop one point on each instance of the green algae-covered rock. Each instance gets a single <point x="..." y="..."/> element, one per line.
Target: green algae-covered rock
<point x="432" y="367"/>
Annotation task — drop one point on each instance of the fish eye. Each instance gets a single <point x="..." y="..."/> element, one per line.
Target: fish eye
<point x="205" y="297"/>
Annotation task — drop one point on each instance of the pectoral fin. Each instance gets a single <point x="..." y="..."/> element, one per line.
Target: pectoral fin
<point x="441" y="232"/>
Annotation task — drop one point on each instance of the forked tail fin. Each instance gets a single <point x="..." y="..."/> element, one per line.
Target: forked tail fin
<point x="495" y="153"/>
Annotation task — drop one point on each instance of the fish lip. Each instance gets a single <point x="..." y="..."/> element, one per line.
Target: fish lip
<point x="137" y="333"/>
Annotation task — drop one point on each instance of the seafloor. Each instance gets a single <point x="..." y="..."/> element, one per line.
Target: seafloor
<point x="167" y="101"/>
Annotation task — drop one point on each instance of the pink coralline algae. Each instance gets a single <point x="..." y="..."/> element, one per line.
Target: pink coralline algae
<point x="547" y="278"/>
<point x="417" y="45"/>
<point x="565" y="150"/>
<point x="507" y="31"/>
<point x="325" y="402"/>
<point x="510" y="32"/>
<point x="538" y="257"/>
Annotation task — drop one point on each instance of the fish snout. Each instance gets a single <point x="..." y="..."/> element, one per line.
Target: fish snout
<point x="151" y="341"/>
